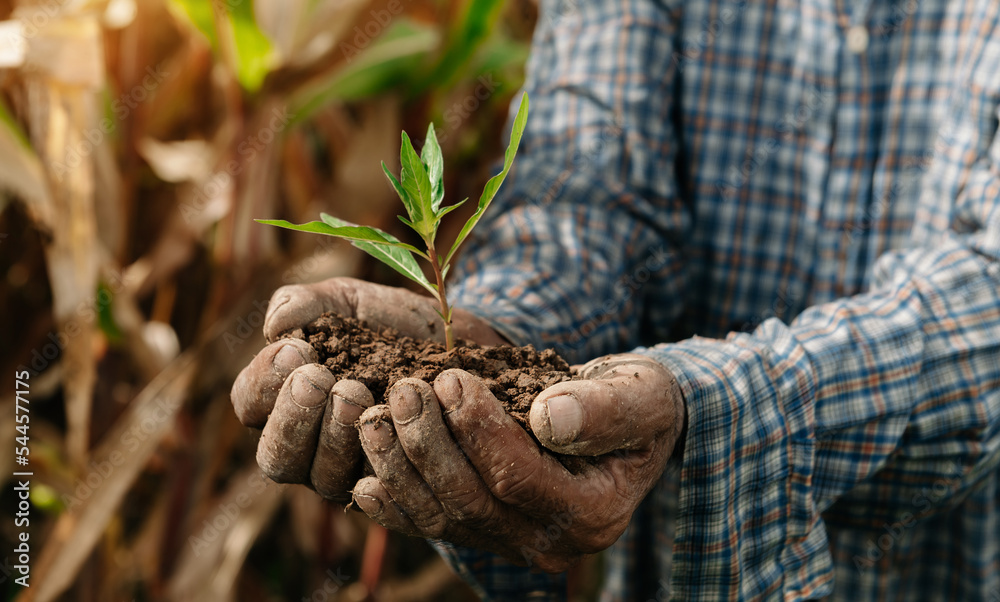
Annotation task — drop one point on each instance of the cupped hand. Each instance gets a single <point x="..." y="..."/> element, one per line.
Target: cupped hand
<point x="306" y="415"/>
<point x="451" y="464"/>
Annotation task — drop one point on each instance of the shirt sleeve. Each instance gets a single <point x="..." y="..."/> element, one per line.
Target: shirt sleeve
<point x="890" y="399"/>
<point x="590" y="212"/>
<point x="588" y="217"/>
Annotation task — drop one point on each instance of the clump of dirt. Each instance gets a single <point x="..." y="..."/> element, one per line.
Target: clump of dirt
<point x="349" y="349"/>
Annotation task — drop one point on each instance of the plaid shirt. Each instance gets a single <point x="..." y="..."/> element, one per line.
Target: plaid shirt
<point x="814" y="185"/>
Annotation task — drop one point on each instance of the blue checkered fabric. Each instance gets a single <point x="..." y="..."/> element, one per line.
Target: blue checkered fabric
<point x="794" y="206"/>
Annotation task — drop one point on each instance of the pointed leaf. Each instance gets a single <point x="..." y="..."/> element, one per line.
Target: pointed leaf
<point x="347" y="231"/>
<point x="399" y="257"/>
<point x="416" y="182"/>
<point x="443" y="212"/>
<point x="403" y="194"/>
<point x="379" y="244"/>
<point x="490" y="191"/>
<point x="430" y="155"/>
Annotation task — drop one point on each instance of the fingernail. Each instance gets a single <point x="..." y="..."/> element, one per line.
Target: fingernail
<point x="274" y="305"/>
<point x="565" y="419"/>
<point x="345" y="411"/>
<point x="378" y="435"/>
<point x="406" y="404"/>
<point x="305" y="393"/>
<point x="288" y="358"/>
<point x="449" y="390"/>
<point x="355" y="392"/>
<point x="370" y="505"/>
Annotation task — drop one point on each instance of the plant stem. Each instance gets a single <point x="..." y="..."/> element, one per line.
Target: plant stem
<point x="449" y="336"/>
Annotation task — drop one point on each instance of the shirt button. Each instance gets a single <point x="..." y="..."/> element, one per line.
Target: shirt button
<point x="857" y="39"/>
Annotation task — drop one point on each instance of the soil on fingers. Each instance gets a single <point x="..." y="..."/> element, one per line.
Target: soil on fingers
<point x="349" y="349"/>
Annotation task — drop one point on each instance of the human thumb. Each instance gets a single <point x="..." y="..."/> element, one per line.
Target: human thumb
<point x="626" y="406"/>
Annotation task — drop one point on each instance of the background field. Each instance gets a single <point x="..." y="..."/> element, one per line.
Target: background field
<point x="138" y="139"/>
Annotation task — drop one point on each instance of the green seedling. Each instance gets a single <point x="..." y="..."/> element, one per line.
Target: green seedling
<point x="421" y="188"/>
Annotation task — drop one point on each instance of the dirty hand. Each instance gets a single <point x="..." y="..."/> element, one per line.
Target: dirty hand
<point x="451" y="464"/>
<point x="306" y="415"/>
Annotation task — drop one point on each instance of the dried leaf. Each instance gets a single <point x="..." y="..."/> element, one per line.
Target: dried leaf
<point x="64" y="114"/>
<point x="180" y="160"/>
<point x="281" y="21"/>
<point x="211" y="559"/>
<point x="68" y="50"/>
<point x="21" y="172"/>
<point x="78" y="530"/>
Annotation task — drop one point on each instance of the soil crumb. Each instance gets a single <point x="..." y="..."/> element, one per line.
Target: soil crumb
<point x="349" y="349"/>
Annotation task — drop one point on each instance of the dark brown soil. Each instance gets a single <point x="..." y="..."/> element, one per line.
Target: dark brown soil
<point x="515" y="375"/>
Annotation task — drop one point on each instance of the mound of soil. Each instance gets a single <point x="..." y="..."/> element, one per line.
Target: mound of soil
<point x="349" y="349"/>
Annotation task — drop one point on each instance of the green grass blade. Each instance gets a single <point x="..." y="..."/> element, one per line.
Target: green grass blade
<point x="493" y="185"/>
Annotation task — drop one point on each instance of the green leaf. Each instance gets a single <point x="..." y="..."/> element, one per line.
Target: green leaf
<point x="430" y="155"/>
<point x="417" y="184"/>
<point x="403" y="194"/>
<point x="200" y="15"/>
<point x="406" y="221"/>
<point x="493" y="185"/>
<point x="255" y="55"/>
<point x="346" y="230"/>
<point x="379" y="244"/>
<point x="105" y="315"/>
<point x="12" y="128"/>
<point x="500" y="54"/>
<point x="465" y="36"/>
<point x="391" y="62"/>
<point x="443" y="212"/>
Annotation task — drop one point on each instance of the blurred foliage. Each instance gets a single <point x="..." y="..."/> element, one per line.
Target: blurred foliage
<point x="138" y="139"/>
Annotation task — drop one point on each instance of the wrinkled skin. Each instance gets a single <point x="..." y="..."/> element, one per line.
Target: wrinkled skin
<point x="307" y="417"/>
<point x="449" y="462"/>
